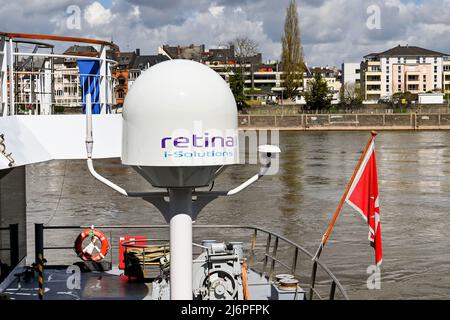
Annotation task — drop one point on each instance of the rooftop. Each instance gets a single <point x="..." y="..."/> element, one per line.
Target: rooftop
<point x="407" y="51"/>
<point x="148" y="60"/>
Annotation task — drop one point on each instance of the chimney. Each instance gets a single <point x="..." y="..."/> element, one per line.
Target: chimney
<point x="138" y="52"/>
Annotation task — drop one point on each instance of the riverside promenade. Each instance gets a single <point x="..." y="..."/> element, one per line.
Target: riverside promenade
<point x="364" y="119"/>
<point x="347" y="122"/>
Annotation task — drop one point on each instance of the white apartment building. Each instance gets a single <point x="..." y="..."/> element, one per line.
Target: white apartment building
<point x="403" y="69"/>
<point x="351" y="73"/>
<point x="67" y="83"/>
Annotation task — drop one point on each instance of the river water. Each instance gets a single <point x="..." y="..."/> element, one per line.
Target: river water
<point x="414" y="184"/>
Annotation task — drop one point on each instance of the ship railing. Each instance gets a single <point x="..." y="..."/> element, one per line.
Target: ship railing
<point x="29" y="71"/>
<point x="268" y="253"/>
<point x="65" y="95"/>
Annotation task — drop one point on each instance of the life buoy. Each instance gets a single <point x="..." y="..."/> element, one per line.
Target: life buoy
<point x="91" y="252"/>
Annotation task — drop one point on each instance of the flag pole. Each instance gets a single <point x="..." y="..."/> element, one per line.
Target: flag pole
<point x="341" y="203"/>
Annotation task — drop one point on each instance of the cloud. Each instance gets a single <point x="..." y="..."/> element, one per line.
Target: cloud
<point x="96" y="15"/>
<point x="332" y="31"/>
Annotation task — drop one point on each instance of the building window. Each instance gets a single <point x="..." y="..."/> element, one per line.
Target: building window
<point x="435" y="69"/>
<point x="399" y="87"/>
<point x="435" y="78"/>
<point x="424" y="78"/>
<point x="435" y="60"/>
<point x="387" y="88"/>
<point x="387" y="78"/>
<point x="424" y="87"/>
<point x="387" y="69"/>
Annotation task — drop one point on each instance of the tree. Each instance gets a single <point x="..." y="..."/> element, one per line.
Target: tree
<point x="350" y="95"/>
<point x="292" y="53"/>
<point x="237" y="87"/>
<point x="403" y="98"/>
<point x="244" y="48"/>
<point x="318" y="96"/>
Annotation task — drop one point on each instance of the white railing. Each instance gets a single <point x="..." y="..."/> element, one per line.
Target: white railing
<point x="37" y="82"/>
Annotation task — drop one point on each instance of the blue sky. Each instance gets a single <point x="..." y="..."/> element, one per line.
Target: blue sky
<point x="332" y="31"/>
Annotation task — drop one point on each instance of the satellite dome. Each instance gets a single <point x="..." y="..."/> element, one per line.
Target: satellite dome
<point x="179" y="120"/>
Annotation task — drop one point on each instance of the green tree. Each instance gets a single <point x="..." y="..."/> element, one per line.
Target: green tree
<point x="237" y="87"/>
<point x="318" y="96"/>
<point x="292" y="53"/>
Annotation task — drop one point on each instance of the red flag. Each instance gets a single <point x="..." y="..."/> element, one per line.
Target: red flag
<point x="363" y="197"/>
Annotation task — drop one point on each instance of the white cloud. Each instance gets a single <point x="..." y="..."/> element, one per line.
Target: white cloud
<point x="332" y="31"/>
<point x="96" y="15"/>
<point x="216" y="11"/>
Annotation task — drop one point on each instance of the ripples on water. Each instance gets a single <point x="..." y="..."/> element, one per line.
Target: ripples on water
<point x="414" y="184"/>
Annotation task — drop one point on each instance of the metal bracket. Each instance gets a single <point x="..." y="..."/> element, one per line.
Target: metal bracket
<point x="3" y="151"/>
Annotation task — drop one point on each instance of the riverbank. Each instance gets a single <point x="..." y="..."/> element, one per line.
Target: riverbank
<point x="346" y="122"/>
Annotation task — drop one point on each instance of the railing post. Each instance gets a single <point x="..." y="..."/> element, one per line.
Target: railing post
<point x="274" y="257"/>
<point x="333" y="290"/>
<point x="266" y="257"/>
<point x="253" y="247"/>
<point x="294" y="261"/>
<point x="313" y="280"/>
<point x="38" y="241"/>
<point x="11" y="110"/>
<point x="14" y="244"/>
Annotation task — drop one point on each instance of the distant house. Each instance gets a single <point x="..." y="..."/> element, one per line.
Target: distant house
<point x="142" y="63"/>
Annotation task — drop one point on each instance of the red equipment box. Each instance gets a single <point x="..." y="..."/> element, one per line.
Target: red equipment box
<point x="122" y="249"/>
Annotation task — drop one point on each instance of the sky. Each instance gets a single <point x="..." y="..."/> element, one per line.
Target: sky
<point x="332" y="31"/>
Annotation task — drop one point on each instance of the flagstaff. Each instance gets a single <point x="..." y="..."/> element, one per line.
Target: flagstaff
<point x="346" y="194"/>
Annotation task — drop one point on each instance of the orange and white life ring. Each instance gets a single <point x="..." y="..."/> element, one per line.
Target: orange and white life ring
<point x="91" y="252"/>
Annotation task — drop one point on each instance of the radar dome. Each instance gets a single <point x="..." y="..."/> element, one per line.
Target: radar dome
<point x="179" y="124"/>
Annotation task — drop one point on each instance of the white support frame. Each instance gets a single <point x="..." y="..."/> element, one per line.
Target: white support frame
<point x="11" y="110"/>
<point x="46" y="95"/>
<point x="3" y="78"/>
<point x="103" y="81"/>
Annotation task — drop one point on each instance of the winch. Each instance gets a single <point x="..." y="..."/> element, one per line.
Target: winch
<point x="217" y="272"/>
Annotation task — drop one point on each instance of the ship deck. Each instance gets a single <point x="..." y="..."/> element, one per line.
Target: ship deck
<point x="102" y="285"/>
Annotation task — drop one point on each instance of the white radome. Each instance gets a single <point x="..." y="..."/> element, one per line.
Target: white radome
<point x="179" y="113"/>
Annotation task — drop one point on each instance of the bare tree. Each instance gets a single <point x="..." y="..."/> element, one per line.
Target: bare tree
<point x="350" y="95"/>
<point x="292" y="53"/>
<point x="244" y="48"/>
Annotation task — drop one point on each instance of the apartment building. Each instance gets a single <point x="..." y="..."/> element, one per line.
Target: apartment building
<point x="351" y="73"/>
<point x="403" y="69"/>
<point x="446" y="77"/>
